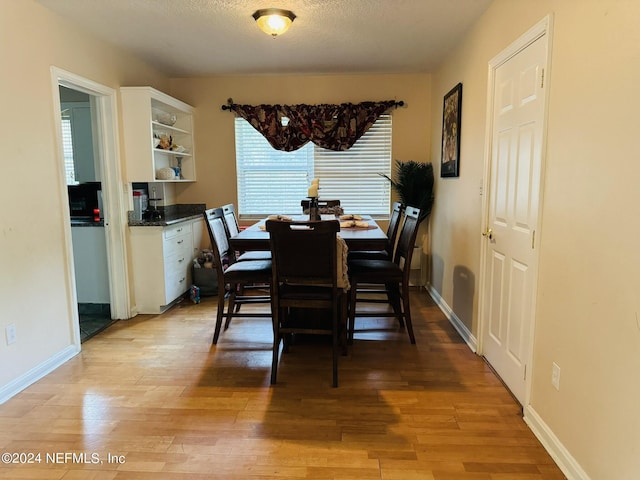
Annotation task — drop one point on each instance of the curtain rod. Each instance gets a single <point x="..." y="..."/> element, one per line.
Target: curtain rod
<point x="229" y="104"/>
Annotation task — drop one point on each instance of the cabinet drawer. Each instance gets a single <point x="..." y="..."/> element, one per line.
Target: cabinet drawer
<point x="178" y="262"/>
<point x="176" y="230"/>
<point x="182" y="244"/>
<point x="175" y="285"/>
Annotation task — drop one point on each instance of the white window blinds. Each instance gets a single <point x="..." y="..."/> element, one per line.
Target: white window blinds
<point x="271" y="181"/>
<point x="67" y="148"/>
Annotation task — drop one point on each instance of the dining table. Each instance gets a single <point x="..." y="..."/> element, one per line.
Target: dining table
<point x="371" y="237"/>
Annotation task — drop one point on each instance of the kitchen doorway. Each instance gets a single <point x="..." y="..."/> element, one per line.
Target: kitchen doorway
<point x="83" y="167"/>
<point x="105" y="252"/>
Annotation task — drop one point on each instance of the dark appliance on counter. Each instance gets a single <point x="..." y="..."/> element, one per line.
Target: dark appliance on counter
<point x="85" y="201"/>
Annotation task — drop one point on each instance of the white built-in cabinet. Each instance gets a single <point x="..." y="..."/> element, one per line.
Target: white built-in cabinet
<point x="147" y="114"/>
<point x="161" y="261"/>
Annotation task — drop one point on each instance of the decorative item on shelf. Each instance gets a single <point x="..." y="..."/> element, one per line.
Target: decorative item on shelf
<point x="166" y="173"/>
<point x="164" y="141"/>
<point x="178" y="169"/>
<point x="166" y="118"/>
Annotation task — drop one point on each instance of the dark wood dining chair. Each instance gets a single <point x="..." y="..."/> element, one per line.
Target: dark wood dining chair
<point x="233" y="273"/>
<point x="392" y="234"/>
<point x="233" y="228"/>
<point x="305" y="276"/>
<point x="392" y="274"/>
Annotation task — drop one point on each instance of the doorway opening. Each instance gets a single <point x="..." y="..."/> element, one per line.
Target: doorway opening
<point x="98" y="288"/>
<point x="82" y="163"/>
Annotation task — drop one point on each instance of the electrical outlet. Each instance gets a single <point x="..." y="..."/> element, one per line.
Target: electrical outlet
<point x="11" y="333"/>
<point x="555" y="376"/>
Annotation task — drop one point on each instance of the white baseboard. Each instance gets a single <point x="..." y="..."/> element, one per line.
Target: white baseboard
<point x="16" y="386"/>
<point x="569" y="466"/>
<point x="460" y="327"/>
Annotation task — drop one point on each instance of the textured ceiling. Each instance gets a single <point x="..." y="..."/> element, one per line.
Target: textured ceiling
<point x="219" y="37"/>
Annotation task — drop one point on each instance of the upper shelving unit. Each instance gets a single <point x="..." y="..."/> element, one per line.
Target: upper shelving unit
<point x="158" y="136"/>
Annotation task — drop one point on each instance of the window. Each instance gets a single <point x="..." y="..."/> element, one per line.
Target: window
<point x="67" y="148"/>
<point x="271" y="181"/>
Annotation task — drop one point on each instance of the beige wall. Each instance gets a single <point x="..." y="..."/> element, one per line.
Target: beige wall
<point x="587" y="305"/>
<point x="34" y="285"/>
<point x="215" y="128"/>
<point x="588" y="291"/>
<point x="33" y="263"/>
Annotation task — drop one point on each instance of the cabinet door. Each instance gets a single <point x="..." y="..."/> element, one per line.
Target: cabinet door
<point x="199" y="241"/>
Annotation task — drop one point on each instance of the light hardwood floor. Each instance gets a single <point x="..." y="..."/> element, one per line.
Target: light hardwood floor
<point x="151" y="398"/>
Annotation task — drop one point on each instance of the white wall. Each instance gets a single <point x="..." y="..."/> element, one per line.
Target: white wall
<point x="588" y="300"/>
<point x="35" y="275"/>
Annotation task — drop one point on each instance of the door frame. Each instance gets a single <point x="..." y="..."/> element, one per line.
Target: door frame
<point x="542" y="28"/>
<point x="106" y="141"/>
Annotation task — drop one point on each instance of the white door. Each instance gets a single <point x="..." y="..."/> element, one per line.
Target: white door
<point x="510" y="258"/>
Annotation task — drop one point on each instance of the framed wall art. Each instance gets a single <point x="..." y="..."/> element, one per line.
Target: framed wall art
<point x="451" y="112"/>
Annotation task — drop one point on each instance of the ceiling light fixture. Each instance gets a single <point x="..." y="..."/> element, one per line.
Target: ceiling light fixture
<point x="273" y="21"/>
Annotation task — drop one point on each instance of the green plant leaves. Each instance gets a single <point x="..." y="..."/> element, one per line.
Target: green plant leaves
<point x="413" y="182"/>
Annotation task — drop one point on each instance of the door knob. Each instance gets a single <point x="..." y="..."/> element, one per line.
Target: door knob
<point x="488" y="233"/>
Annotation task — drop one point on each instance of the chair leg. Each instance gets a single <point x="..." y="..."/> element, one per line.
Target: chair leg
<point x="230" y="307"/>
<point x="240" y="290"/>
<point x="393" y="293"/>
<point x="219" y="315"/>
<point x="274" y="361"/>
<point x="276" y="345"/>
<point x="336" y="310"/>
<point x="407" y="312"/>
<point x="352" y="312"/>
<point x="343" y="322"/>
<point x="287" y="338"/>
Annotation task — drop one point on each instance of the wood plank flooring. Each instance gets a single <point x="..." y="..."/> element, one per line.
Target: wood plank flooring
<point x="151" y="398"/>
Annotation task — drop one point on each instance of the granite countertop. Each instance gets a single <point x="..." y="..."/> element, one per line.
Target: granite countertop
<point x="170" y="215"/>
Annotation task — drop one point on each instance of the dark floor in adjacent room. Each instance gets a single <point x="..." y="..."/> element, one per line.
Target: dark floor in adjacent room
<point x="94" y="318"/>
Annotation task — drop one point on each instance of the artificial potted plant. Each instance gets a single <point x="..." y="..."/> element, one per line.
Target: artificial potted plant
<point x="413" y="182"/>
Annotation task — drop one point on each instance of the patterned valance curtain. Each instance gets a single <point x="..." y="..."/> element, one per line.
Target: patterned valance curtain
<point x="334" y="127"/>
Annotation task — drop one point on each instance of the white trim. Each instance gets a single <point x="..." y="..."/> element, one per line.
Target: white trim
<point x="36" y="373"/>
<point x="541" y="29"/>
<point x="460" y="327"/>
<point x="569" y="466"/>
<point x="70" y="279"/>
<point x="104" y="99"/>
